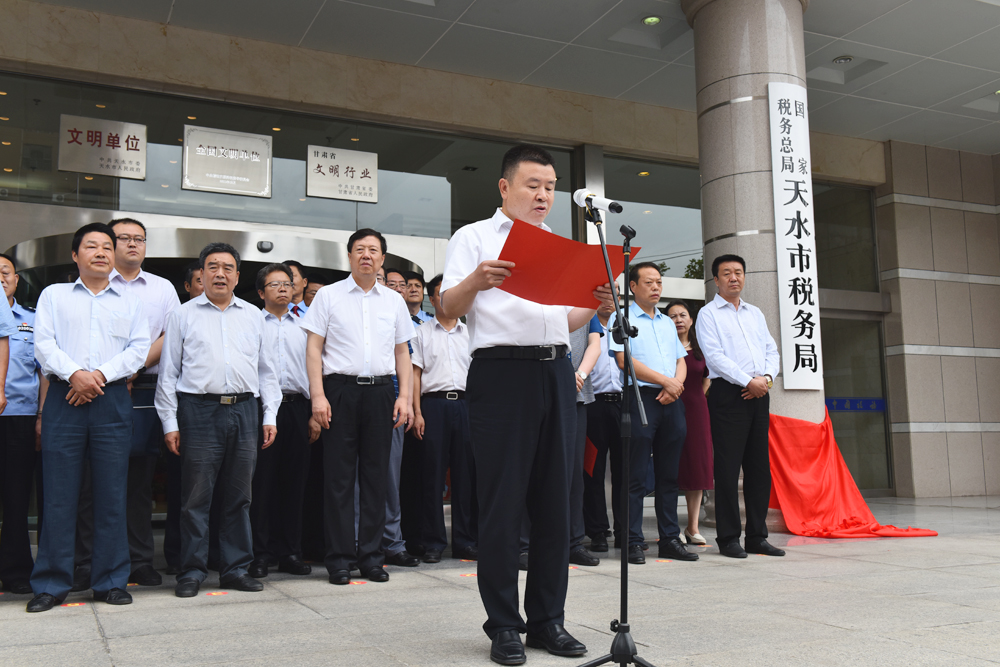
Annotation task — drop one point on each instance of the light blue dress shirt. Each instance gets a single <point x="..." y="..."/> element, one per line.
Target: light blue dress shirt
<point x="207" y="350"/>
<point x="606" y="376"/>
<point x="7" y="325"/>
<point x="736" y="344"/>
<point x="76" y="329"/>
<point x="22" y="372"/>
<point x="286" y="339"/>
<point x="303" y="308"/>
<point x="657" y="345"/>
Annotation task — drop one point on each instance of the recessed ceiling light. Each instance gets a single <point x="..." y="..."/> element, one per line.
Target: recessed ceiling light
<point x="843" y="60"/>
<point x="302" y="199"/>
<point x="2" y="93"/>
<point x="192" y="118"/>
<point x="643" y="173"/>
<point x="100" y="106"/>
<point x="276" y="129"/>
<point x="355" y="139"/>
<point x="181" y="140"/>
<point x="646" y="212"/>
<point x="88" y="178"/>
<point x="173" y="162"/>
<point x="164" y="186"/>
<point x="651" y="20"/>
<point x="6" y="143"/>
<point x="4" y="118"/>
<point x="8" y="169"/>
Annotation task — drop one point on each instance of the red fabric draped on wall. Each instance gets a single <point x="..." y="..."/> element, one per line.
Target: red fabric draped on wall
<point x="813" y="488"/>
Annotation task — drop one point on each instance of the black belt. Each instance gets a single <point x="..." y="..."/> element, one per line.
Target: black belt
<point x="360" y="379"/>
<point x="530" y="352"/>
<point x="224" y="399"/>
<point x="447" y="395"/>
<point x="610" y="397"/>
<point x="288" y="398"/>
<point x="58" y="380"/>
<point x="145" y="381"/>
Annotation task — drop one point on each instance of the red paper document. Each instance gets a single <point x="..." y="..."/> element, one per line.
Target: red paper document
<point x="556" y="271"/>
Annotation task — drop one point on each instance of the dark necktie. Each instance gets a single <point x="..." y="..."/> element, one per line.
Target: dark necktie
<point x="295" y="310"/>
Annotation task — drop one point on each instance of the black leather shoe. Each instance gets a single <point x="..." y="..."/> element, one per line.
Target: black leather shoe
<point x="258" y="568"/>
<point x="271" y="560"/>
<point x="507" y="648"/>
<point x="580" y="556"/>
<point x="599" y="543"/>
<point x="763" y="547"/>
<point x="403" y="559"/>
<point x="187" y="587"/>
<point x="522" y="561"/>
<point x="18" y="587"/>
<point x="44" y="602"/>
<point x="732" y="550"/>
<point x="244" y="582"/>
<point x="378" y="574"/>
<point x="340" y="577"/>
<point x="173" y="570"/>
<point x="466" y="553"/>
<point x="432" y="556"/>
<point x="114" y="596"/>
<point x="554" y="639"/>
<point x="635" y="555"/>
<point x="81" y="579"/>
<point x="294" y="565"/>
<point x="674" y="548"/>
<point x="145" y="575"/>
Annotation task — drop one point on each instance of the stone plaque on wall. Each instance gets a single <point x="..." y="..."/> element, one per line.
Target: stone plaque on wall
<point x="341" y="174"/>
<point x="222" y="161"/>
<point x="105" y="147"/>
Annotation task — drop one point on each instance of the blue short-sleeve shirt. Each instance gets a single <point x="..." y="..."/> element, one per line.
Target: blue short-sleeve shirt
<point x="657" y="345"/>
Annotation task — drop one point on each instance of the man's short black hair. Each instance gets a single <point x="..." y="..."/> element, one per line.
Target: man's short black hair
<point x="721" y="259"/>
<point x="413" y="275"/>
<point x="362" y="233"/>
<point x="317" y="279"/>
<point x="123" y="221"/>
<point x="433" y="283"/>
<point x="9" y="259"/>
<point x="268" y="270"/>
<point x="633" y="271"/>
<point x="189" y="271"/>
<point x="524" y="153"/>
<point x="213" y="248"/>
<point x="101" y="227"/>
<point x="401" y="273"/>
<point x="290" y="263"/>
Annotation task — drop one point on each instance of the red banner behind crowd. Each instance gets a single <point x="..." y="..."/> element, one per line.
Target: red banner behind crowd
<point x="813" y="488"/>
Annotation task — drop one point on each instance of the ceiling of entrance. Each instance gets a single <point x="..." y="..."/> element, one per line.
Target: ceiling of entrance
<point x="921" y="71"/>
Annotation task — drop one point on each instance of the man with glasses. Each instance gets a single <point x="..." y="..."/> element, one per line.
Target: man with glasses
<point x="279" y="478"/>
<point x="215" y="363"/>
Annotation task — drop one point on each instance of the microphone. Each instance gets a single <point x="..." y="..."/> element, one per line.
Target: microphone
<point x="586" y="199"/>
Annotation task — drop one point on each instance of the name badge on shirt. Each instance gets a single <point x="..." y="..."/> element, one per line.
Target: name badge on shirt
<point x="25" y="327"/>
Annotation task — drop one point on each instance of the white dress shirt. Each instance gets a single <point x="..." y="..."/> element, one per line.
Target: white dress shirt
<point x="361" y="329"/>
<point x="286" y="339"/>
<point x="736" y="343"/>
<point x="442" y="356"/>
<point x="158" y="298"/>
<point x="496" y="317"/>
<point x="211" y="351"/>
<point x="606" y="376"/>
<point x="76" y="329"/>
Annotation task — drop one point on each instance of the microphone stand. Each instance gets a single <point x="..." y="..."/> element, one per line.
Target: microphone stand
<point x="623" y="651"/>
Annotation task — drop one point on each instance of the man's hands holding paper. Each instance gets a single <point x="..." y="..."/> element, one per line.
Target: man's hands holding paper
<point x="491" y="273"/>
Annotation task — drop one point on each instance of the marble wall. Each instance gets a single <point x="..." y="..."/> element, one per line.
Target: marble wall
<point x="939" y="253"/>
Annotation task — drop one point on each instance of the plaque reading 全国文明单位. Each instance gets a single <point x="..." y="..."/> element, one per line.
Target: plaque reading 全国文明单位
<point x="223" y="161"/>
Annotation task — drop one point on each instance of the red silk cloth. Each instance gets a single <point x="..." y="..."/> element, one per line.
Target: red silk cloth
<point x="813" y="488"/>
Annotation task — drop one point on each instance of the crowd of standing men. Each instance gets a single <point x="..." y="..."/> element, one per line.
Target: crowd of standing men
<point x="507" y="404"/>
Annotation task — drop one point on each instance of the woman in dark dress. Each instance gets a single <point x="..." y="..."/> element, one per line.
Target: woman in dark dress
<point x="696" y="472"/>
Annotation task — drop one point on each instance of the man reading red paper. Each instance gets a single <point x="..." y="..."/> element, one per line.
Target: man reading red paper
<point x="522" y="413"/>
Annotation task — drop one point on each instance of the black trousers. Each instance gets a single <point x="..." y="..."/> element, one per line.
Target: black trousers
<point x="664" y="439"/>
<point x="577" y="526"/>
<point x="604" y="431"/>
<point x="739" y="438"/>
<point x="17" y="468"/>
<point x="447" y="443"/>
<point x="412" y="482"/>
<point x="356" y="446"/>
<point x="279" y="484"/>
<point x="523" y="417"/>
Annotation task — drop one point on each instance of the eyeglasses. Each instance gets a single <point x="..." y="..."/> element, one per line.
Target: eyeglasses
<point x="138" y="240"/>
<point x="278" y="284"/>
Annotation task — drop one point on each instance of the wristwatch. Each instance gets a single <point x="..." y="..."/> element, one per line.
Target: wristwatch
<point x="583" y="376"/>
<point x="770" y="381"/>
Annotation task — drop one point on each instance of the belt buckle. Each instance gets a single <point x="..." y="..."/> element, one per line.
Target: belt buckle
<point x="451" y="395"/>
<point x="552" y="353"/>
<point x="366" y="379"/>
<point x="227" y="400"/>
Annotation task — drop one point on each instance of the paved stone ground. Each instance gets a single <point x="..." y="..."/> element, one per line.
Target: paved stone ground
<point x="914" y="601"/>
